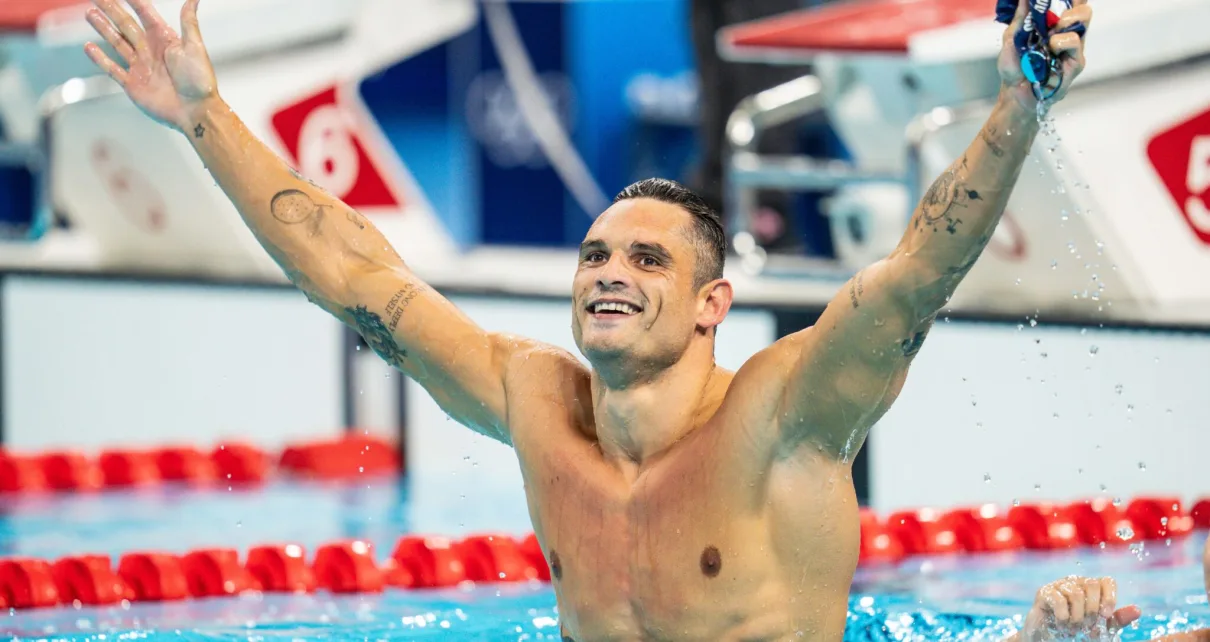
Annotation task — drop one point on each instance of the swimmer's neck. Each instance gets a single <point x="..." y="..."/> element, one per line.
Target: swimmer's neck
<point x="637" y="423"/>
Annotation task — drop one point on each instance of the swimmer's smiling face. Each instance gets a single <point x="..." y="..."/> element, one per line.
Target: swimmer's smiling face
<point x="634" y="293"/>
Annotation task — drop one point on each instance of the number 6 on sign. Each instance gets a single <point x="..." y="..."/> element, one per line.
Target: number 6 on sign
<point x="322" y="142"/>
<point x="326" y="152"/>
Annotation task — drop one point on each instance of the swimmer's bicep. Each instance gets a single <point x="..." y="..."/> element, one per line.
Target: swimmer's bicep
<point x="418" y="331"/>
<point x="852" y="363"/>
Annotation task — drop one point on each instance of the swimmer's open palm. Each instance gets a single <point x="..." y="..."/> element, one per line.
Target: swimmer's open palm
<point x="166" y="75"/>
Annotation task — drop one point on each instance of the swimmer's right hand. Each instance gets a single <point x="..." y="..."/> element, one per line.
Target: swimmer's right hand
<point x="168" y="76"/>
<point x="1075" y="605"/>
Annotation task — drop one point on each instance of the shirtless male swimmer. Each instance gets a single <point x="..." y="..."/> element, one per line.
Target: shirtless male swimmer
<point x="673" y="499"/>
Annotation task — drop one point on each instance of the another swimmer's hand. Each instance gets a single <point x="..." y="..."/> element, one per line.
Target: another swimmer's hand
<point x="167" y="76"/>
<point x="1075" y="605"/>
<point x="1068" y="47"/>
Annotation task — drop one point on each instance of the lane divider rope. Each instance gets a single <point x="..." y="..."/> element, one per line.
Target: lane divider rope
<point x="347" y="457"/>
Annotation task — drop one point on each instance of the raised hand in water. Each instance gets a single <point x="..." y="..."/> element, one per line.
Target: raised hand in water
<point x="168" y="76"/>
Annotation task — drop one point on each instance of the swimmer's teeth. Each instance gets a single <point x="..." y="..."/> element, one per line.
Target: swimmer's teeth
<point x="624" y="308"/>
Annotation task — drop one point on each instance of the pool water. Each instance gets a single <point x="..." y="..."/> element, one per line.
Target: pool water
<point x="941" y="598"/>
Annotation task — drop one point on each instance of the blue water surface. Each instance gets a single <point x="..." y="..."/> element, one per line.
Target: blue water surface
<point x="944" y="598"/>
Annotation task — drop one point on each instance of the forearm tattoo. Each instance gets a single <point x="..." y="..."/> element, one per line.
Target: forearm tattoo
<point x="198" y="131"/>
<point x="294" y="207"/>
<point x="856" y="288"/>
<point x="989" y="135"/>
<point x="961" y="270"/>
<point x="379" y="334"/>
<point x="399" y="301"/>
<point x="944" y="201"/>
<point x="912" y="344"/>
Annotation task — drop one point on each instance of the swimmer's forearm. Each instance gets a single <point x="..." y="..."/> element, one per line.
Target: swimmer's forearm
<point x="956" y="218"/>
<point x="316" y="239"/>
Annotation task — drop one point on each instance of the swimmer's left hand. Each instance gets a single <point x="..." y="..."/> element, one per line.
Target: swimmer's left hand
<point x="1067" y="47"/>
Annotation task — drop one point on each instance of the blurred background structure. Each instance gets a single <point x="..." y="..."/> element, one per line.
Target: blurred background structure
<point x="484" y="137"/>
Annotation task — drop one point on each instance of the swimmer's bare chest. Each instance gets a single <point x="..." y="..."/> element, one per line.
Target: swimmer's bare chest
<point x="693" y="548"/>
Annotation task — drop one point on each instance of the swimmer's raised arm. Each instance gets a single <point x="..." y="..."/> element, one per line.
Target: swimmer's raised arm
<point x="854" y="361"/>
<point x="332" y="253"/>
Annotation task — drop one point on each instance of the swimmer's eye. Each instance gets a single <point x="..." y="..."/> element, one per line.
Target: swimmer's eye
<point x="594" y="257"/>
<point x="647" y="260"/>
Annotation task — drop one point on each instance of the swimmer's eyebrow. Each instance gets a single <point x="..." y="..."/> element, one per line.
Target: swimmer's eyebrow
<point x="593" y="245"/>
<point x="652" y="248"/>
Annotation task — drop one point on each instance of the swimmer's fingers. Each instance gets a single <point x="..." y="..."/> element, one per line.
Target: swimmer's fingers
<point x="1073" y="590"/>
<point x="1055" y="603"/>
<point x="1094" y="601"/>
<point x="151" y="19"/>
<point x="1080" y="13"/>
<point x="110" y="67"/>
<point x="105" y="29"/>
<point x="1067" y="45"/>
<point x="191" y="33"/>
<point x="126" y="24"/>
<point x="1124" y="617"/>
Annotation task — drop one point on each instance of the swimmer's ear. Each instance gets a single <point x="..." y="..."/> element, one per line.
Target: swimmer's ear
<point x="714" y="302"/>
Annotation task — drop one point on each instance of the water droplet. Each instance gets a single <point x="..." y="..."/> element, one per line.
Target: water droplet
<point x="1054" y="415"/>
<point x="1037" y="487"/>
<point x="987" y="478"/>
<point x="1093" y="350"/>
<point x="1033" y="323"/>
<point x="1079" y="471"/>
<point x="1018" y="281"/>
<point x="1168" y="411"/>
<point x="1129" y="407"/>
<point x="1083" y="331"/>
<point x="1163" y="521"/>
<point x="1118" y="388"/>
<point x="1016" y="502"/>
<point x="1054" y="265"/>
<point x="1125" y="532"/>
<point x="1117" y="501"/>
<point x="1103" y="488"/>
<point x="239" y="524"/>
<point x="1102" y="545"/>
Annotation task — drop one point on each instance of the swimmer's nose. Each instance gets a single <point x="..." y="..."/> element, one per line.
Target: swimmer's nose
<point x="614" y="276"/>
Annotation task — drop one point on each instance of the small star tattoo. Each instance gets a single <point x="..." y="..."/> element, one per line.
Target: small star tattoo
<point x="198" y="131"/>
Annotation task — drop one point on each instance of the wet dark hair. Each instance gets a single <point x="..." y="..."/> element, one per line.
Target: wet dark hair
<point x="707" y="229"/>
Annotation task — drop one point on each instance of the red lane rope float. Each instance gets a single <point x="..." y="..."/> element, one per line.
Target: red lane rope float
<point x="349" y="566"/>
<point x="348" y="457"/>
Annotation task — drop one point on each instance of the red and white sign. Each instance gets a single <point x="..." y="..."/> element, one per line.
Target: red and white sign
<point x="1181" y="157"/>
<point x="322" y="142"/>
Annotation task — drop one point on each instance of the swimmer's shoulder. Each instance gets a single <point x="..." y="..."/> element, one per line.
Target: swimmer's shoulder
<point x="547" y="386"/>
<point x="533" y="367"/>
